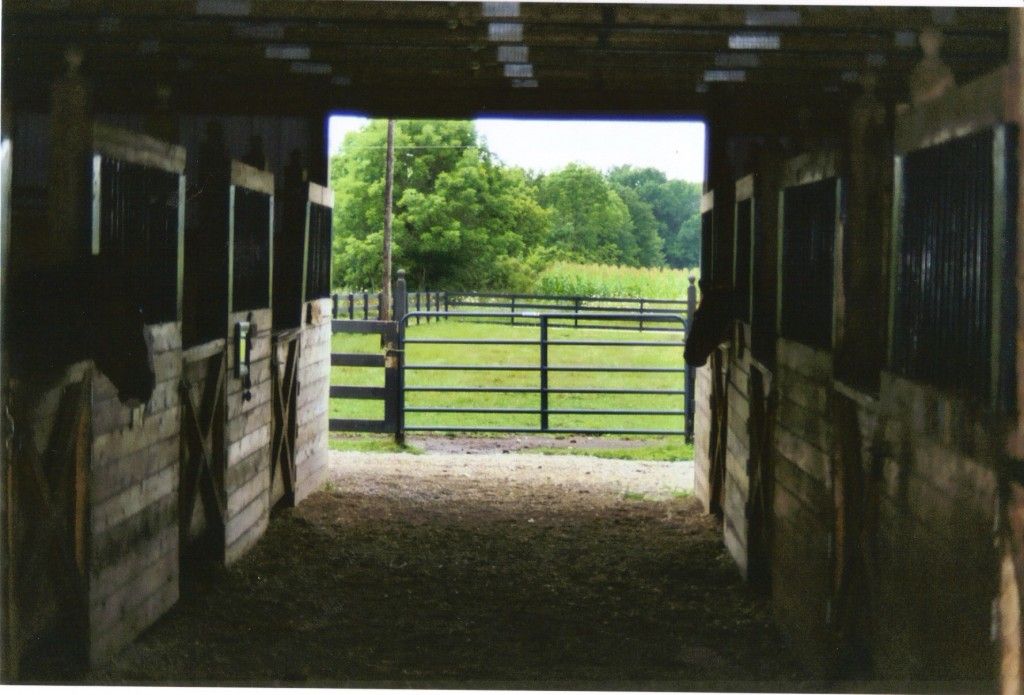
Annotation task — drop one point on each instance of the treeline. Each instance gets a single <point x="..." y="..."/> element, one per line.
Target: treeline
<point x="464" y="220"/>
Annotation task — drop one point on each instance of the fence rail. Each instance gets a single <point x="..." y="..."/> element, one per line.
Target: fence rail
<point x="510" y="308"/>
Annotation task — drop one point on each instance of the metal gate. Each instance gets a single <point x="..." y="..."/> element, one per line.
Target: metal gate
<point x="407" y="379"/>
<point x="546" y="369"/>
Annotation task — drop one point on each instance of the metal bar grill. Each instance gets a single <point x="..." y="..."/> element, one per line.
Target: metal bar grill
<point x="318" y="260"/>
<point x="808" y="237"/>
<point x="741" y="263"/>
<point x="944" y="312"/>
<point x="138" y="218"/>
<point x="253" y="222"/>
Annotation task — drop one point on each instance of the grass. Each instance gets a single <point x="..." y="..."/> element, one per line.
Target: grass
<point x="669" y="449"/>
<point x="369" y="443"/>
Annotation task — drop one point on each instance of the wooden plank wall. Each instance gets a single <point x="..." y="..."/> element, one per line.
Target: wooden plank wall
<point x="312" y="401"/>
<point x="133" y="486"/>
<point x="737" y="457"/>
<point x="702" y="436"/>
<point x="802" y="539"/>
<point x="937" y="562"/>
<point x="247" y="438"/>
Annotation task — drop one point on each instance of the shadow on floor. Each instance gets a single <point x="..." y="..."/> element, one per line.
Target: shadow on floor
<point x="467" y="583"/>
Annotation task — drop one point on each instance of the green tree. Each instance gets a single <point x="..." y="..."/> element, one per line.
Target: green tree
<point x="461" y="219"/>
<point x="588" y="218"/>
<point x="685" y="245"/>
<point x="649" y="244"/>
<point x="672" y="202"/>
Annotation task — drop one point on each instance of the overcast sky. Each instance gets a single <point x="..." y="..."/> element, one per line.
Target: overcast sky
<point x="674" y="147"/>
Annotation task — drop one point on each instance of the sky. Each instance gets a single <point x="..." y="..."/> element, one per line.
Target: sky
<point x="674" y="147"/>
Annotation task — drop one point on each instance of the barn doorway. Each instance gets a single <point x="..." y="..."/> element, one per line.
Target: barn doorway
<point x="547" y="312"/>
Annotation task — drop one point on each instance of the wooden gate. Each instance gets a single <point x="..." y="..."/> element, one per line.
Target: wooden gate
<point x="46" y="522"/>
<point x="390" y="393"/>
<point x="284" y="391"/>
<point x="201" y="525"/>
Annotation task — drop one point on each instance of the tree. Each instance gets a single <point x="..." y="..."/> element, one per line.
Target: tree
<point x="459" y="215"/>
<point x="685" y="245"/>
<point x="588" y="218"/>
<point x="645" y="229"/>
<point x="672" y="202"/>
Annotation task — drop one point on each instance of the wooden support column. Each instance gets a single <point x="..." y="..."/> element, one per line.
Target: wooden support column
<point x="861" y="305"/>
<point x="318" y="156"/>
<point x="720" y="177"/>
<point x="1011" y="580"/>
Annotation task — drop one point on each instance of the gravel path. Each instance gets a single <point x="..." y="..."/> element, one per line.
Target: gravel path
<point x="476" y="571"/>
<point x="423" y="475"/>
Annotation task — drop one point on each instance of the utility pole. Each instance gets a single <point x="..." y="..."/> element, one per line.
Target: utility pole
<point x="389" y="180"/>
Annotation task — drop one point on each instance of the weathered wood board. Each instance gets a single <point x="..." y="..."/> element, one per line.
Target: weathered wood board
<point x="133" y="502"/>
<point x="313" y="398"/>
<point x="247" y="439"/>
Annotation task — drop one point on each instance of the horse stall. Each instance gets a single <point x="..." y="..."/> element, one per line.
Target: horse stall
<point x="91" y="480"/>
<point x="302" y="248"/>
<point x="933" y="442"/>
<point x="314" y="362"/>
<point x="710" y="395"/>
<point x="249" y="381"/>
<point x="227" y="381"/>
<point x="745" y="495"/>
<point x="809" y="214"/>
<point x="201" y="505"/>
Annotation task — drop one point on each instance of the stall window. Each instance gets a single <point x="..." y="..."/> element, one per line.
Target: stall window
<point x="952" y="283"/>
<point x="807" y="262"/>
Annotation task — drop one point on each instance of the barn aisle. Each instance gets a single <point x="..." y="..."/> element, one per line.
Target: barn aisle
<point x="476" y="571"/>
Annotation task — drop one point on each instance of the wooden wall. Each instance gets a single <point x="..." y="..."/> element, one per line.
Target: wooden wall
<point x="133" y="496"/>
<point x="883" y="560"/>
<point x="936" y="560"/>
<point x="702" y="436"/>
<point x="736" y="490"/>
<point x="312" y="401"/>
<point x="802" y="524"/>
<point x="247" y="438"/>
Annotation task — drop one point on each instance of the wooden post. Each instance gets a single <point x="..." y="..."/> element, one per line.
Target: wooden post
<point x="389" y="182"/>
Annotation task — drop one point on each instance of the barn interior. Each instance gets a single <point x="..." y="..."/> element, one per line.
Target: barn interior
<point x="857" y="434"/>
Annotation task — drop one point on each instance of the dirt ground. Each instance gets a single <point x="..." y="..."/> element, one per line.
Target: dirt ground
<point x="476" y="571"/>
<point x="463" y="444"/>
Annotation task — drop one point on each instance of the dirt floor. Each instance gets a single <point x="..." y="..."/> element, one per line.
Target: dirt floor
<point x="476" y="571"/>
